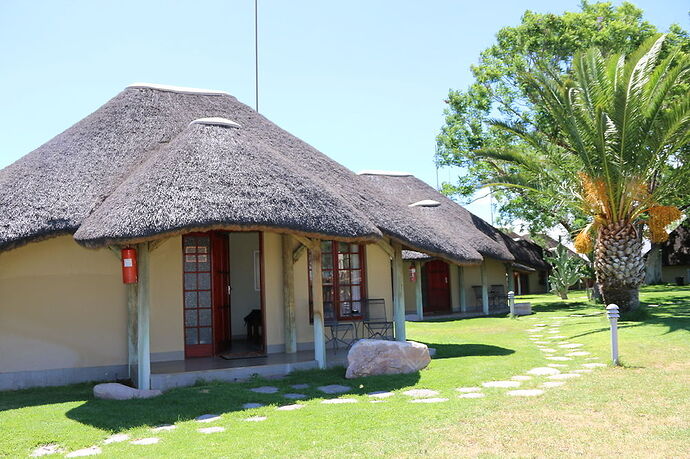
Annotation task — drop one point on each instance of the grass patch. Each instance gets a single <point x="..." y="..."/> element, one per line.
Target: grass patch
<point x="639" y="410"/>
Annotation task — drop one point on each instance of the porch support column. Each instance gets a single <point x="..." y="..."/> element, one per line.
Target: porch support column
<point x="398" y="293"/>
<point x="485" y="289"/>
<point x="132" y="330"/>
<point x="463" y="293"/>
<point x="453" y="285"/>
<point x="317" y="304"/>
<point x="418" y="290"/>
<point x="289" y="295"/>
<point x="511" y="277"/>
<point x="143" y="312"/>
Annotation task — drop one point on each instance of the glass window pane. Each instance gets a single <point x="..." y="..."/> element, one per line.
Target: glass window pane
<point x="356" y="307"/>
<point x="343" y="261"/>
<point x="190" y="281"/>
<point x="356" y="277"/>
<point x="344" y="277"/>
<point x="354" y="261"/>
<point x="204" y="317"/>
<point x="204" y="299"/>
<point x="191" y="336"/>
<point x="205" y="335"/>
<point x="345" y="308"/>
<point x="190" y="299"/>
<point x="343" y="247"/>
<point x="205" y="281"/>
<point x="327" y="261"/>
<point x="354" y="248"/>
<point x="204" y="263"/>
<point x="326" y="246"/>
<point x="327" y="293"/>
<point x="328" y="277"/>
<point x="189" y="241"/>
<point x="356" y="292"/>
<point x="190" y="318"/>
<point x="190" y="263"/>
<point x="344" y="293"/>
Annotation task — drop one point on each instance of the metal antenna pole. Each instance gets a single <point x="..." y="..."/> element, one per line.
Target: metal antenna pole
<point x="256" y="53"/>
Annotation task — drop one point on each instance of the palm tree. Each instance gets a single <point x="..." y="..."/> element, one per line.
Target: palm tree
<point x="619" y="127"/>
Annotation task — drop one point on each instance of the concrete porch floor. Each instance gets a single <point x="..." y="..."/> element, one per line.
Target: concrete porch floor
<point x="181" y="373"/>
<point x="456" y="315"/>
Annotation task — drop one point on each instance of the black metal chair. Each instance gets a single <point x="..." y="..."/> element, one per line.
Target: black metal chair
<point x="376" y="323"/>
<point x="338" y="330"/>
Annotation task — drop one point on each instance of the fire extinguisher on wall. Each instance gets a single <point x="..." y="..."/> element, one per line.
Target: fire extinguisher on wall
<point x="413" y="273"/>
<point x="129" y="265"/>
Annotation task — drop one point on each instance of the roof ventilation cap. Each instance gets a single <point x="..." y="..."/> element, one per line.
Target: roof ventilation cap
<point x="216" y="121"/>
<point x="425" y="203"/>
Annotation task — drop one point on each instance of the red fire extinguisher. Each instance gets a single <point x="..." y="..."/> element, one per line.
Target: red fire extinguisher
<point x="129" y="265"/>
<point x="413" y="274"/>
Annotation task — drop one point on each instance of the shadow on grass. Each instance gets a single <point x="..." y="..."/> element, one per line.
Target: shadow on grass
<point x="448" y="351"/>
<point x="12" y="400"/>
<point x="184" y="404"/>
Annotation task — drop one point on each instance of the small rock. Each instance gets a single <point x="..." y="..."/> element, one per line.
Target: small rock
<point x="294" y="396"/>
<point x="558" y="358"/>
<point x="468" y="389"/>
<point x="256" y="419"/>
<point x="571" y="345"/>
<point x="249" y="406"/>
<point x="210" y="430"/>
<point x="334" y="389"/>
<point x="164" y="428"/>
<point x="145" y="441"/>
<point x="381" y="394"/>
<point x="521" y="378"/>
<point x="117" y="391"/>
<point x="290" y="407"/>
<point x="117" y="438"/>
<point x="207" y="418"/>
<point x="577" y="353"/>
<point x="428" y="400"/>
<point x="547" y="350"/>
<point x="264" y="390"/>
<point x="94" y="450"/>
<point x="421" y="392"/>
<point x="525" y="392"/>
<point x="46" y="450"/>
<point x="543" y="371"/>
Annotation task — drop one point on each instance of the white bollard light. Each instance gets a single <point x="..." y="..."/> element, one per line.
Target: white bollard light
<point x="511" y="302"/>
<point x="612" y="313"/>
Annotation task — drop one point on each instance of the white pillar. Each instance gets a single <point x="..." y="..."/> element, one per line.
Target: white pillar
<point x="511" y="276"/>
<point x="418" y="290"/>
<point x="485" y="289"/>
<point x="143" y="315"/>
<point x="463" y="293"/>
<point x="132" y="331"/>
<point x="454" y="291"/>
<point x="511" y="303"/>
<point x="317" y="304"/>
<point x="612" y="312"/>
<point x="398" y="293"/>
<point x="289" y="296"/>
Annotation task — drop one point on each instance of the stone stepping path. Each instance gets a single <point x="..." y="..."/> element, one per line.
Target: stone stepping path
<point x="210" y="430"/>
<point x="593" y="365"/>
<point x="294" y="396"/>
<point x="471" y="395"/>
<point x="577" y="353"/>
<point x="145" y="441"/>
<point x="525" y="392"/>
<point x="421" y="393"/>
<point x="468" y="389"/>
<point x="290" y="407"/>
<point x="264" y="390"/>
<point x="334" y="389"/>
<point x="249" y="406"/>
<point x="47" y="450"/>
<point x="556" y="365"/>
<point x="565" y="376"/>
<point x="550" y="384"/>
<point x="547" y="350"/>
<point x="559" y="337"/>
<point x="256" y="419"/>
<point x="521" y="378"/>
<point x="558" y="358"/>
<point x="381" y="394"/>
<point x="164" y="428"/>
<point x="571" y="345"/>
<point x="300" y="386"/>
<point x="543" y="371"/>
<point x="429" y="400"/>
<point x="502" y="384"/>
<point x="92" y="451"/>
<point x="338" y="401"/>
<point x="207" y="418"/>
<point x="117" y="438"/>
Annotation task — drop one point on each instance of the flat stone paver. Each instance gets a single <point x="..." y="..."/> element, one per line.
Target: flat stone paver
<point x="334" y="389"/>
<point x="521" y="378"/>
<point x="503" y="384"/>
<point x="592" y="358"/>
<point x="556" y="365"/>
<point x="421" y="392"/>
<point x="207" y="418"/>
<point x="565" y="376"/>
<point x="559" y="337"/>
<point x="294" y="396"/>
<point x="550" y="384"/>
<point x="117" y="438"/>
<point x="543" y="371"/>
<point x="338" y="401"/>
<point x="583" y="370"/>
<point x="210" y="430"/>
<point x="468" y="389"/>
<point x="256" y="419"/>
<point x="164" y="428"/>
<point x="264" y="389"/>
<point x="92" y="451"/>
<point x="249" y="406"/>
<point x="471" y="395"/>
<point x="46" y="450"/>
<point x="429" y="400"/>
<point x="525" y="392"/>
<point x="145" y="441"/>
<point x="577" y="353"/>
<point x="300" y="386"/>
<point x="547" y="350"/>
<point x="593" y="365"/>
<point x="294" y="407"/>
<point x="558" y="358"/>
<point x="571" y="345"/>
<point x="542" y="342"/>
<point x="381" y="394"/>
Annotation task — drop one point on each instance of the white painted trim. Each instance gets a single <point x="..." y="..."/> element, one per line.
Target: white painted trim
<point x="216" y="121"/>
<point x="388" y="173"/>
<point x="178" y="89"/>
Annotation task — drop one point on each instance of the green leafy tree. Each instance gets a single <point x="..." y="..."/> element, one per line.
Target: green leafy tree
<point x="615" y="152"/>
<point x="566" y="270"/>
<point x="544" y="40"/>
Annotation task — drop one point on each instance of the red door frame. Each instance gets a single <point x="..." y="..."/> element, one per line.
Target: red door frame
<point x="436" y="286"/>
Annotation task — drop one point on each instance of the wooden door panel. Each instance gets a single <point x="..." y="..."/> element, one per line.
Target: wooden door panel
<point x="437" y="286"/>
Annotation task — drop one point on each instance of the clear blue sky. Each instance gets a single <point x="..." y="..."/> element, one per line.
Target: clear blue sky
<point x="363" y="81"/>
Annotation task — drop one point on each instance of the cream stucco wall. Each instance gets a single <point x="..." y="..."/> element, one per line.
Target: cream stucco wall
<point x="669" y="274"/>
<point x="166" y="321"/>
<point x="61" y="306"/>
<point x="495" y="275"/>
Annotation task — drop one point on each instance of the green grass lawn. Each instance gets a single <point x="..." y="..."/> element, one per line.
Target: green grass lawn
<point x="639" y="410"/>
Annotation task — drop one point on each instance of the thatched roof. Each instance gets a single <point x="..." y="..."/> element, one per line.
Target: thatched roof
<point x="676" y="251"/>
<point x="445" y="221"/>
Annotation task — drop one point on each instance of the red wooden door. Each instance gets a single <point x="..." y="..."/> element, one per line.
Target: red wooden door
<point x="437" y="286"/>
<point x="206" y="298"/>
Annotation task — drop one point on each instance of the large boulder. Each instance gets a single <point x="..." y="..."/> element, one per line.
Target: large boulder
<point x="378" y="357"/>
<point x="117" y="391"/>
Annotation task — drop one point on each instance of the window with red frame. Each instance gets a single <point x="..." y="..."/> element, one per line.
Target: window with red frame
<point x="344" y="284"/>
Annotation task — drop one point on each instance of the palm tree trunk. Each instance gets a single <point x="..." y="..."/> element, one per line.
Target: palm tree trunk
<point x="619" y="265"/>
